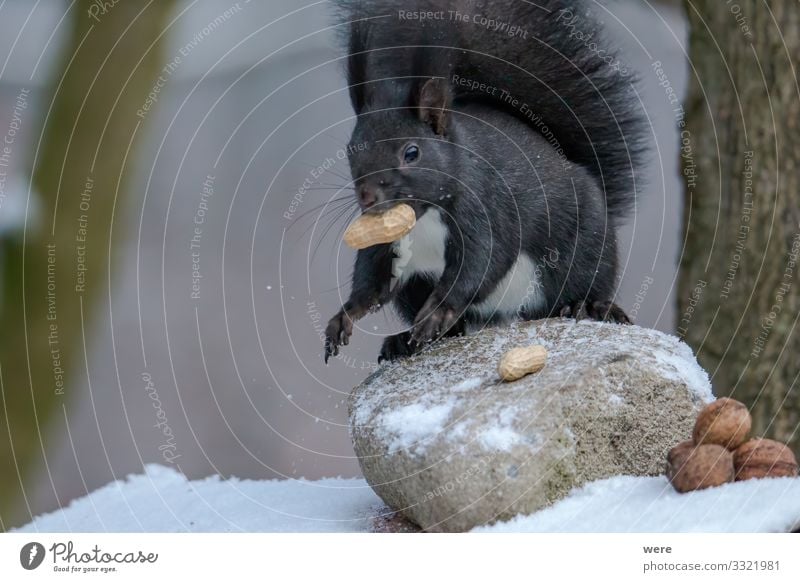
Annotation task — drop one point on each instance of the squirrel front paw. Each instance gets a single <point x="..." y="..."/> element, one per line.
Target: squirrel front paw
<point x="338" y="333"/>
<point x="433" y="323"/>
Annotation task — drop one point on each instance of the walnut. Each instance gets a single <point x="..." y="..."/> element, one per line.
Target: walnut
<point x="724" y="422"/>
<point x="761" y="458"/>
<point x="693" y="468"/>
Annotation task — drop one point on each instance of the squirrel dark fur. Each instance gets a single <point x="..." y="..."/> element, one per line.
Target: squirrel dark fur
<point x="517" y="148"/>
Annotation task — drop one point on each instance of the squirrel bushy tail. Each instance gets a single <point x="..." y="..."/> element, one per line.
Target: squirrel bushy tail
<point x="545" y="62"/>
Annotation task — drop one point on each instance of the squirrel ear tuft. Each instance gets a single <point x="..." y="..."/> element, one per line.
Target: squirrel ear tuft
<point x="434" y="104"/>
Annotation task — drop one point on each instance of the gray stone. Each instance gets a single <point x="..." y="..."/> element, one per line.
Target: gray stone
<point x="450" y="447"/>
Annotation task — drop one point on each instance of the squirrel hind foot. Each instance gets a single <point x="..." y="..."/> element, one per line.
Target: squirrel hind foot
<point x="397" y="346"/>
<point x="596" y="311"/>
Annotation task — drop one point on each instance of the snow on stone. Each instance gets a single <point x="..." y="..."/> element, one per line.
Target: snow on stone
<point x="458" y="431"/>
<point x="163" y="500"/>
<point x="466" y="385"/>
<point x="667" y="353"/>
<point x="501" y="436"/>
<point x="685" y="368"/>
<point x="410" y="426"/>
<point x="650" y="504"/>
<point x="676" y="358"/>
<point x="499" y="344"/>
<point x="615" y="400"/>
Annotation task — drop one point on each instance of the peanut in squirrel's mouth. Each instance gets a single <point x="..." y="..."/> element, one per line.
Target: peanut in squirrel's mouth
<point x="383" y="207"/>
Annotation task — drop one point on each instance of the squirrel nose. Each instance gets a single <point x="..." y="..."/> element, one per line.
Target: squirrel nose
<point x="367" y="196"/>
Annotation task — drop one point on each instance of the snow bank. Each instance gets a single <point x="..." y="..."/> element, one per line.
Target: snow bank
<point x="162" y="500"/>
<point x="650" y="504"/>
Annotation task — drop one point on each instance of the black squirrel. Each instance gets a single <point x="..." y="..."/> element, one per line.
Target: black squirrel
<point x="515" y="135"/>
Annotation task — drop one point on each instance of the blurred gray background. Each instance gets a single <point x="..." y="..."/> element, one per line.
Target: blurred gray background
<point x="252" y="109"/>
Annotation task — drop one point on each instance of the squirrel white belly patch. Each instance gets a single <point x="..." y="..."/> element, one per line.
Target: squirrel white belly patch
<point x="422" y="251"/>
<point x="519" y="288"/>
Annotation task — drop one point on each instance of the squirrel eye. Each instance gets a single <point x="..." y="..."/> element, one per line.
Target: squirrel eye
<point x="411" y="154"/>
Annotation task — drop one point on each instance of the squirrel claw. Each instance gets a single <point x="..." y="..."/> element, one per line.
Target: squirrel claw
<point x="596" y="311"/>
<point x="576" y="310"/>
<point x="330" y="350"/>
<point x="338" y="333"/>
<point x="610" y="311"/>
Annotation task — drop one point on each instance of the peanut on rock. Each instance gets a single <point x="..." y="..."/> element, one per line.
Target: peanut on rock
<point x="374" y="229"/>
<point x="761" y="458"/>
<point x="693" y="468"/>
<point x="520" y="362"/>
<point x="724" y="422"/>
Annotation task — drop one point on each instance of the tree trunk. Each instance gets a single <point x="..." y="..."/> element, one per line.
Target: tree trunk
<point x="53" y="277"/>
<point x="739" y="288"/>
